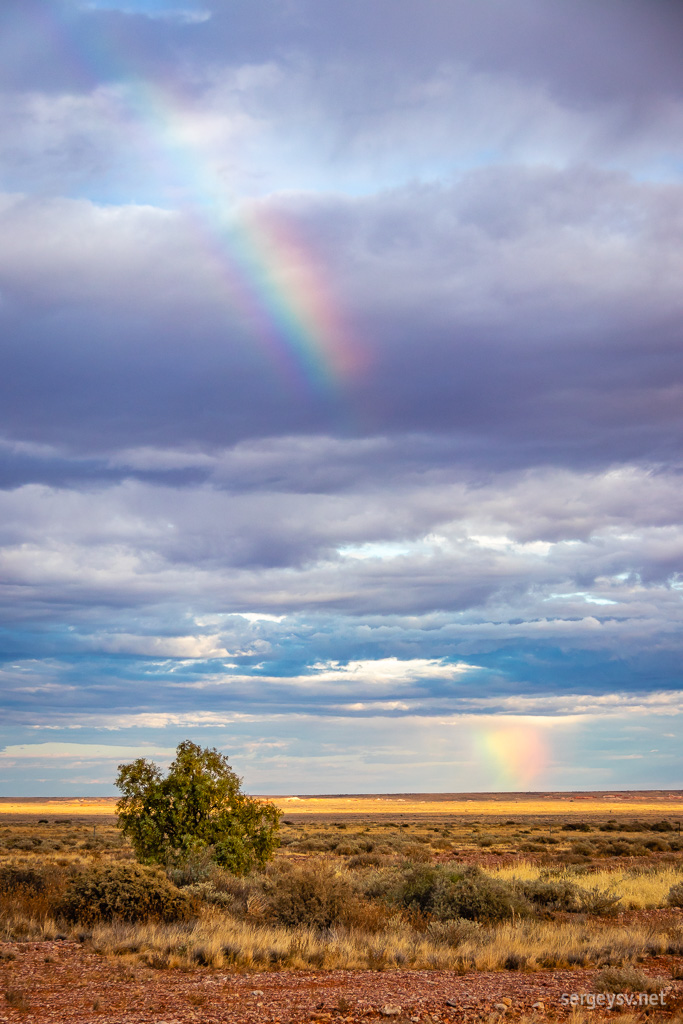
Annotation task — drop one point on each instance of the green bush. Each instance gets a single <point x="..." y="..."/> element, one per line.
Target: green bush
<point x="199" y="805"/>
<point x="124" y="892"/>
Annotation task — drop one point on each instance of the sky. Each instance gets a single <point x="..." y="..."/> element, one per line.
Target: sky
<point x="341" y="401"/>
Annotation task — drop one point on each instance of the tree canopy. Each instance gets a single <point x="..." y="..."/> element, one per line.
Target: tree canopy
<point x="198" y="806"/>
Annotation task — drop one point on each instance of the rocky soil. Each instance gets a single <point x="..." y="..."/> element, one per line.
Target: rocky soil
<point x="63" y="982"/>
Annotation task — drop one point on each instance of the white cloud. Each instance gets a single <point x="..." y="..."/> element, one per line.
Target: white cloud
<point x="159" y="646"/>
<point x="79" y="752"/>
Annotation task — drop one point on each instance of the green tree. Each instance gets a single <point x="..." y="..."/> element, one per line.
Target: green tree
<point x="197" y="807"/>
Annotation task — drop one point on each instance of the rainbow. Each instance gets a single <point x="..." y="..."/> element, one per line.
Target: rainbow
<point x="287" y="298"/>
<point x="273" y="279"/>
<point x="515" y="753"/>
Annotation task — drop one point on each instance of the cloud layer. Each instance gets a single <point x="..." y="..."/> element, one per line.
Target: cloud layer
<point x="340" y="409"/>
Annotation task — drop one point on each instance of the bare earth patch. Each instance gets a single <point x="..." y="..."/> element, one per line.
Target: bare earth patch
<point x="63" y="982"/>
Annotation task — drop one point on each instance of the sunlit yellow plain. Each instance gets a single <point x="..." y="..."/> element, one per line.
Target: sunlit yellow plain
<point x="396" y="806"/>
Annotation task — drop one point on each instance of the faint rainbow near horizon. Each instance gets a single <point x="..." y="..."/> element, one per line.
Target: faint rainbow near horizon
<point x="517" y="754"/>
<point x="276" y="283"/>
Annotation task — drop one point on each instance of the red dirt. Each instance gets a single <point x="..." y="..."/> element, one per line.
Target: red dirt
<point x="64" y="982"/>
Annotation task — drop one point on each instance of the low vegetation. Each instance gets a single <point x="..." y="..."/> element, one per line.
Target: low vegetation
<point x="463" y="894"/>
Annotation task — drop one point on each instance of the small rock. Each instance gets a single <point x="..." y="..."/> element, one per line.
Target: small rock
<point x="506" y="1000"/>
<point x="450" y="1002"/>
<point x="501" y="1007"/>
<point x="390" y="1011"/>
<point x="256" y="992"/>
<point x="538" y="1006"/>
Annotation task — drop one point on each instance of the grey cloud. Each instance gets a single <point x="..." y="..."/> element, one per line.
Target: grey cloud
<point x="195" y="518"/>
<point x="547" y="545"/>
<point x="507" y="311"/>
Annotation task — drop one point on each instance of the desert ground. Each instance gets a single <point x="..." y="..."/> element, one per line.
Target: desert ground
<point x="552" y="897"/>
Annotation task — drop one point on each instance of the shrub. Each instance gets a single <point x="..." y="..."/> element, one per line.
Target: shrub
<point x="515" y="962"/>
<point x="675" y="896"/>
<point x="550" y="895"/>
<point x="124" y="892"/>
<point x="601" y="902"/>
<point x="14" y="877"/>
<point x="208" y="893"/>
<point x="17" y="999"/>
<point x="454" y="932"/>
<point x="312" y="894"/>
<point x="417" y="853"/>
<point x="366" y="915"/>
<point x="366" y="860"/>
<point x="477" y="898"/>
<point x="25" y="844"/>
<point x="347" y="849"/>
<point x="627" y="979"/>
<point x="659" y="845"/>
<point x="417" y="888"/>
<point x="33" y="891"/>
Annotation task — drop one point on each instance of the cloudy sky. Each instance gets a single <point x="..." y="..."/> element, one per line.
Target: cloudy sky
<point x="342" y="391"/>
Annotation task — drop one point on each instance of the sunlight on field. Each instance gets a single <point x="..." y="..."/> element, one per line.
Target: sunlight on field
<point x="81" y="808"/>
<point x="476" y="808"/>
<point x="395" y="806"/>
<point x="638" y="889"/>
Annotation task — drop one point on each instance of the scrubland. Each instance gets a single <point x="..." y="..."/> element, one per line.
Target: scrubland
<point x="430" y="891"/>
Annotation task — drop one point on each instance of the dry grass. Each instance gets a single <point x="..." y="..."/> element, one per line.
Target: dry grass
<point x="366" y="807"/>
<point x="639" y="889"/>
<point x="218" y="940"/>
<point x="64" y="808"/>
<point x="17" y="999"/>
<point x="357" y="836"/>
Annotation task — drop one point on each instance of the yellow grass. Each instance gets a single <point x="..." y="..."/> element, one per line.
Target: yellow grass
<point x="219" y="940"/>
<point x="80" y="807"/>
<point x="397" y="806"/>
<point x="638" y="889"/>
<point x="476" y="808"/>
